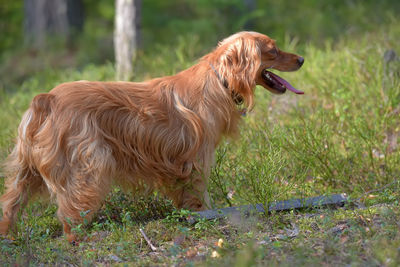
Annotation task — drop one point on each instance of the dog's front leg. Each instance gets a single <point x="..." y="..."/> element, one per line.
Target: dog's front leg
<point x="195" y="195"/>
<point x="191" y="192"/>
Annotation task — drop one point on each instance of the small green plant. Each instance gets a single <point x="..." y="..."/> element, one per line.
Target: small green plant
<point x="80" y="229"/>
<point x="177" y="216"/>
<point x="203" y="224"/>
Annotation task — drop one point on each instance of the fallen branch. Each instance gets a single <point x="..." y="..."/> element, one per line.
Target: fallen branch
<point x="153" y="248"/>
<point x="377" y="190"/>
<point x="312" y="202"/>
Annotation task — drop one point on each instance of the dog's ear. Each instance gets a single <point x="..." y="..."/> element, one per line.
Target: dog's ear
<point x="239" y="64"/>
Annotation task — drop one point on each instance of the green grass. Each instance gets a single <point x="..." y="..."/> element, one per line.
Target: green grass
<point x="338" y="137"/>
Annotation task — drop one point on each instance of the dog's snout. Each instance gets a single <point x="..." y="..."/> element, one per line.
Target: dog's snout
<point x="300" y="61"/>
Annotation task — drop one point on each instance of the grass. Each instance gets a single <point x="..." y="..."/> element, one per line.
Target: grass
<point x="341" y="136"/>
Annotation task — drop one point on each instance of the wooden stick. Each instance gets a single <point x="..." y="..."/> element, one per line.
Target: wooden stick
<point x="153" y="248"/>
<point x="312" y="202"/>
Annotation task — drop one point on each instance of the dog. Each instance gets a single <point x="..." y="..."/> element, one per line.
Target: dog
<point x="79" y="139"/>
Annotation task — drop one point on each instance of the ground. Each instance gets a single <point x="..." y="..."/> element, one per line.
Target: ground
<point x="352" y="234"/>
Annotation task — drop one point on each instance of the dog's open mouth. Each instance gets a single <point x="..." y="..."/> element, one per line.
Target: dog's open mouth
<point x="277" y="83"/>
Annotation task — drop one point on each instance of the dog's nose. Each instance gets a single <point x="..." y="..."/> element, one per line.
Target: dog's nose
<point x="300" y="61"/>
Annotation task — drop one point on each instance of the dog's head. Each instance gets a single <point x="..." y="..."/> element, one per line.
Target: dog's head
<point x="246" y="58"/>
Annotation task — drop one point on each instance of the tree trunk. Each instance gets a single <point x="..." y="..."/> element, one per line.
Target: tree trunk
<point x="250" y="6"/>
<point x="126" y="36"/>
<point x="51" y="17"/>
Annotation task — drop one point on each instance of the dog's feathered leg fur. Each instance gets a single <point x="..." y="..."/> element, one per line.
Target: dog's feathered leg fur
<point x="22" y="179"/>
<point x="89" y="190"/>
<point x="193" y="194"/>
<point x="20" y="188"/>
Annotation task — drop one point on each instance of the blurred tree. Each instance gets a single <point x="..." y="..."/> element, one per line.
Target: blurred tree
<point x="126" y="36"/>
<point x="250" y="7"/>
<point x="52" y="17"/>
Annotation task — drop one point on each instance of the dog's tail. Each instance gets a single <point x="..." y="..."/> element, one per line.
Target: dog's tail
<point x="35" y="116"/>
<point x="22" y="178"/>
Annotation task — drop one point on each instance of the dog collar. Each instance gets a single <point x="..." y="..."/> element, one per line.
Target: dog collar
<point x="224" y="82"/>
<point x="236" y="97"/>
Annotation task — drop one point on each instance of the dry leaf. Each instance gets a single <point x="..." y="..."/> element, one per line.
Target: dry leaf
<point x="220" y="242"/>
<point x="179" y="240"/>
<point x="215" y="254"/>
<point x="191" y="253"/>
<point x="344" y="239"/>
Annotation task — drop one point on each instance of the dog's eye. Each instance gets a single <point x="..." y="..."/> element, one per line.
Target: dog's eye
<point x="273" y="52"/>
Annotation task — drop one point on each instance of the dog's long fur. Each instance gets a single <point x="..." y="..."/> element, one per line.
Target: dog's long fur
<point x="79" y="138"/>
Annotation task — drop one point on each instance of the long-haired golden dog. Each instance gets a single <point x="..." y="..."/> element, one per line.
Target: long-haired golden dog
<point x="79" y="138"/>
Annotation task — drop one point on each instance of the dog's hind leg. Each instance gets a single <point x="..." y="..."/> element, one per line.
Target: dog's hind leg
<point x="80" y="200"/>
<point x="20" y="186"/>
<point x="22" y="180"/>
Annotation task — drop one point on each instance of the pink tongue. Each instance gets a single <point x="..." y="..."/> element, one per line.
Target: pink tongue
<point x="286" y="84"/>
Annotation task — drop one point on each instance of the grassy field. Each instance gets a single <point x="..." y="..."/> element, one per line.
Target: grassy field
<point x="340" y="137"/>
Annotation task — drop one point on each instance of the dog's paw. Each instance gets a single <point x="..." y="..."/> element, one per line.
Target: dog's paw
<point x="72" y="239"/>
<point x="74" y="243"/>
